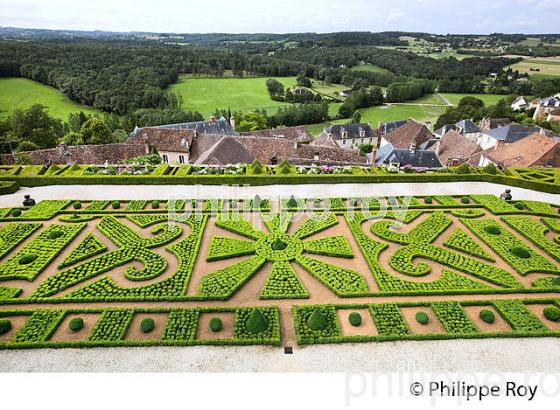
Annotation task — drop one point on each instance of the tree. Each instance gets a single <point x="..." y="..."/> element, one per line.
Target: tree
<point x="35" y="125"/>
<point x="470" y="102"/>
<point x="365" y="148"/>
<point x="303" y="81"/>
<point x="94" y="131"/>
<point x="274" y="87"/>
<point x="357" y="117"/>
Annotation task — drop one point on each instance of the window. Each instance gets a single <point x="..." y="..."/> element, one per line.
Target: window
<point x="343" y="142"/>
<point x="181" y="159"/>
<point x="344" y="134"/>
<point x="165" y="158"/>
<point x="362" y="133"/>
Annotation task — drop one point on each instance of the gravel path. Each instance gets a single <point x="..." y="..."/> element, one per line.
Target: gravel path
<point x="484" y="355"/>
<point x="87" y="192"/>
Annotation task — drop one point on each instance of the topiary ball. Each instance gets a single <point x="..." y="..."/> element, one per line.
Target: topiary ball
<point x="16" y="212"/>
<point x="520" y="252"/>
<point x="155" y="204"/>
<point x="76" y="324"/>
<point x="519" y="205"/>
<point x="465" y="200"/>
<point x="428" y="200"/>
<point x="27" y="258"/>
<point x="77" y="205"/>
<point x="422" y="318"/>
<point x="552" y="313"/>
<point x="215" y="324"/>
<point x="147" y="325"/>
<point x="493" y="230"/>
<point x="256" y="322"/>
<point x="355" y="319"/>
<point x="55" y="234"/>
<point x="116" y="204"/>
<point x="316" y="321"/>
<point x="487" y="316"/>
<point x="5" y="326"/>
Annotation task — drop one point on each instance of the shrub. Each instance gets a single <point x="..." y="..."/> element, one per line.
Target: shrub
<point x="463" y="169"/>
<point x="27" y="258"/>
<point x="116" y="204"/>
<point x="520" y="252"/>
<point x="422" y="318"/>
<point x="490" y="169"/>
<point x="215" y="324"/>
<point x="155" y="204"/>
<point x="256" y="167"/>
<point x="519" y="205"/>
<point x="292" y="202"/>
<point x="54" y="234"/>
<point x="279" y="245"/>
<point x="316" y="320"/>
<point x="465" y="200"/>
<point x="74" y="216"/>
<point x="147" y="325"/>
<point x="5" y="326"/>
<point x="16" y="212"/>
<point x="355" y="319"/>
<point x="487" y="316"/>
<point x="76" y="324"/>
<point x="552" y="313"/>
<point x="256" y="322"/>
<point x="493" y="230"/>
<point x="77" y="205"/>
<point x="428" y="200"/>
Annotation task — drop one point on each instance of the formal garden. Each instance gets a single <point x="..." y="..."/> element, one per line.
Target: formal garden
<point x="81" y="273"/>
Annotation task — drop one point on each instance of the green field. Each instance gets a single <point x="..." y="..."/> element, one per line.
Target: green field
<point x="372" y="68"/>
<point x="239" y="94"/>
<point x="548" y="67"/>
<point x="489" y="99"/>
<point x="421" y="113"/>
<point x="21" y="93"/>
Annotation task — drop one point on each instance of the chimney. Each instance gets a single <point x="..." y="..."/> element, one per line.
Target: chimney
<point x="232" y="122"/>
<point x="213" y="120"/>
<point x="295" y="144"/>
<point x="438" y="147"/>
<point x="412" y="148"/>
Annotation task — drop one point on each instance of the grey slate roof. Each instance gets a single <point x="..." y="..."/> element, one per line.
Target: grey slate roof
<point x="353" y="130"/>
<point x="388" y="127"/>
<point x="219" y="126"/>
<point x="467" y="127"/>
<point x="511" y="133"/>
<point x="418" y="158"/>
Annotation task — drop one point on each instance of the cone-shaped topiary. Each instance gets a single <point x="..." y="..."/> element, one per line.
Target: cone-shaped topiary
<point x="490" y="169"/>
<point x="292" y="203"/>
<point x="5" y="326"/>
<point x="256" y="322"/>
<point x="278" y="245"/>
<point x="256" y="167"/>
<point x="316" y="321"/>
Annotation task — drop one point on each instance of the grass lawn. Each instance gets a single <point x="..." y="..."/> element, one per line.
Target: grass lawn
<point x="372" y="68"/>
<point x="239" y="94"/>
<point x="388" y="113"/>
<point x="21" y="93"/>
<point x="548" y="67"/>
<point x="489" y="99"/>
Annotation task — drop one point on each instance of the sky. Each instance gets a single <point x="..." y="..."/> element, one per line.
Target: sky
<point x="286" y="16"/>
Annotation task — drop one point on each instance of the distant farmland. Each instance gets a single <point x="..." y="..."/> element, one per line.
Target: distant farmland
<point x="21" y="93"/>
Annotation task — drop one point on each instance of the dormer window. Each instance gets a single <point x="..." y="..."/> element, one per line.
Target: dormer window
<point x="344" y="134"/>
<point x="316" y="156"/>
<point x="362" y="133"/>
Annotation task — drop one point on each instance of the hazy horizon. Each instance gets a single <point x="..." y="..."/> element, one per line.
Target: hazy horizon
<point x="284" y="17"/>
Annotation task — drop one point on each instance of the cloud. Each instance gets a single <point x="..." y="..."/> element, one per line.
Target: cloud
<point x="450" y="16"/>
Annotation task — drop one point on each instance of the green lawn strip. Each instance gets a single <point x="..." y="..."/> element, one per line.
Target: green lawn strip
<point x="88" y="247"/>
<point x="342" y="282"/>
<point x="453" y="318"/>
<point x="222" y="247"/>
<point x="223" y="283"/>
<point x="519" y="317"/>
<point x="283" y="283"/>
<point x="508" y="247"/>
<point x="461" y="241"/>
<point x="112" y="325"/>
<point x="39" y="327"/>
<point x="535" y="232"/>
<point x="34" y="257"/>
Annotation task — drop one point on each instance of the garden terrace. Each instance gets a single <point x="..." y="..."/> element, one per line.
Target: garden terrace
<point x="545" y="180"/>
<point x="84" y="273"/>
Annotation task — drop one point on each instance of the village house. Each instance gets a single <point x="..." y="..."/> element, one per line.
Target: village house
<point x="534" y="150"/>
<point x="454" y="149"/>
<point x="554" y="116"/>
<point x="411" y="134"/>
<point x="350" y="136"/>
<point x="546" y="106"/>
<point x="519" y="104"/>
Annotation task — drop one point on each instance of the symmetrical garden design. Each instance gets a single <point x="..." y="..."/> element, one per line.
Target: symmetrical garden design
<point x="256" y="271"/>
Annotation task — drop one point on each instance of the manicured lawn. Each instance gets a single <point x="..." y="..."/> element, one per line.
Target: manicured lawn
<point x="489" y="99"/>
<point x="21" y="93"/>
<point x="239" y="94"/>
